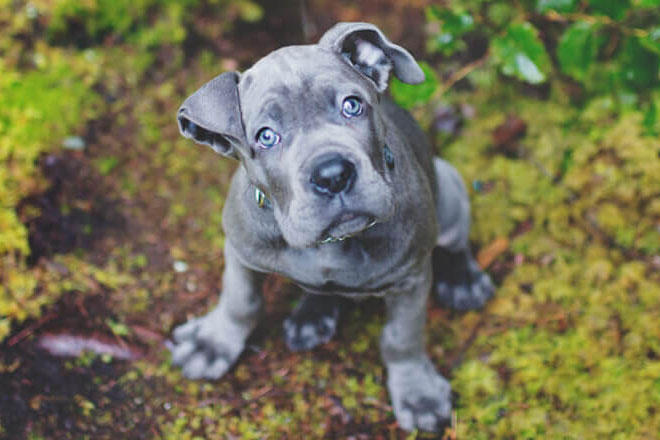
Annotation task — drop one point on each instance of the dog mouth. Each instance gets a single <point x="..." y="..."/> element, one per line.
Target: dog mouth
<point x="346" y="226"/>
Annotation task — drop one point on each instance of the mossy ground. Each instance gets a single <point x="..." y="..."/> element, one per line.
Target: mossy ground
<point x="567" y="216"/>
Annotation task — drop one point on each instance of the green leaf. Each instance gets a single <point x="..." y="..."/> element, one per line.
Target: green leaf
<point x="501" y="14"/>
<point x="648" y="3"/>
<point x="105" y="165"/>
<point x="408" y="95"/>
<point x="452" y="26"/>
<point x="520" y="53"/>
<point x="543" y="6"/>
<point x="577" y="49"/>
<point x="639" y="66"/>
<point x="652" y="40"/>
<point x="651" y="119"/>
<point x="616" y="9"/>
<point x="250" y="11"/>
<point x="117" y="328"/>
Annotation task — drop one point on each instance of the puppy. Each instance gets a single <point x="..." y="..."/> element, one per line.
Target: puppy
<point x="338" y="191"/>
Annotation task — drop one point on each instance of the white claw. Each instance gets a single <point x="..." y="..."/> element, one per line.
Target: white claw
<point x="218" y="368"/>
<point x="194" y="368"/>
<point x="182" y="351"/>
<point x="406" y="419"/>
<point x="186" y="330"/>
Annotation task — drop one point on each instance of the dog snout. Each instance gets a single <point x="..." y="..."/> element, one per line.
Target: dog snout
<point x="333" y="175"/>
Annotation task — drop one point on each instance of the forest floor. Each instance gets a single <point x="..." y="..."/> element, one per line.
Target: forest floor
<point x="123" y="221"/>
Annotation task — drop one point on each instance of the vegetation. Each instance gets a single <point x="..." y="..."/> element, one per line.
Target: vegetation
<point x="110" y="223"/>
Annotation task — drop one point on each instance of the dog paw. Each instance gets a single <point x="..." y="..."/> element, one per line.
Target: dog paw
<point x="466" y="296"/>
<point x="204" y="349"/>
<point x="421" y="397"/>
<point x="459" y="282"/>
<point x="311" y="325"/>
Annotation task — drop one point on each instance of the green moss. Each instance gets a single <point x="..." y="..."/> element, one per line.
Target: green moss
<point x="148" y="22"/>
<point x="568" y="348"/>
<point x="39" y="109"/>
<point x="48" y="93"/>
<point x="579" y="351"/>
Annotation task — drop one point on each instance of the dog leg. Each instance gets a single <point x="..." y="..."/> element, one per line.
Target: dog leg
<point x="459" y="282"/>
<point x="206" y="347"/>
<point x="313" y="322"/>
<point x="421" y="397"/>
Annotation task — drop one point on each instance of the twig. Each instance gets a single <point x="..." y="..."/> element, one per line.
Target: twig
<point x="458" y="359"/>
<point x="454" y="425"/>
<point x="459" y="75"/>
<point x="375" y="403"/>
<point x="27" y="331"/>
<point x="604" y="20"/>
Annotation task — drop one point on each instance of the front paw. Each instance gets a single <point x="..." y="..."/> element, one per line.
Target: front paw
<point x="313" y="322"/>
<point x="459" y="282"/>
<point x="304" y="332"/>
<point x="421" y="397"/>
<point x="204" y="348"/>
<point x="469" y="295"/>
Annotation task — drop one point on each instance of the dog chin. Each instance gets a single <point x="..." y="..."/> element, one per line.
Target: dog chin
<point x="346" y="226"/>
<point x="349" y="223"/>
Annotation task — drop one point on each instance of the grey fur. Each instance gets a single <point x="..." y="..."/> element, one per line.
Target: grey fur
<point x="375" y="237"/>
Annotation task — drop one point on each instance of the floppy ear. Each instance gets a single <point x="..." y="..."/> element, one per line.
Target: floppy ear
<point x="365" y="47"/>
<point x="212" y="115"/>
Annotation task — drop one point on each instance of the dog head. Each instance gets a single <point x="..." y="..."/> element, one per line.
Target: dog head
<point x="305" y="122"/>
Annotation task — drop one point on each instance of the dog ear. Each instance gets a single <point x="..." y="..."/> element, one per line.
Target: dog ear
<point x="212" y="115"/>
<point x="365" y="47"/>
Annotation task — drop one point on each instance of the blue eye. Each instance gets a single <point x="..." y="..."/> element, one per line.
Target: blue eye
<point x="268" y="138"/>
<point x="351" y="107"/>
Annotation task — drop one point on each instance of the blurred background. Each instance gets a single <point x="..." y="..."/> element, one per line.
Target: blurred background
<point x="110" y="229"/>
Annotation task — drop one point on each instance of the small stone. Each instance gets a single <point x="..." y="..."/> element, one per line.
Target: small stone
<point x="75" y="143"/>
<point x="518" y="259"/>
<point x="180" y="266"/>
<point x="51" y="160"/>
<point x="468" y="111"/>
<point x="655" y="262"/>
<point x="31" y="11"/>
<point x="90" y="55"/>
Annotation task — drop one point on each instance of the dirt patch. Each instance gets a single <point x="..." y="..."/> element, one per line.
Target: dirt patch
<point x="65" y="393"/>
<point x="75" y="212"/>
<point x="44" y="388"/>
<point x="61" y="396"/>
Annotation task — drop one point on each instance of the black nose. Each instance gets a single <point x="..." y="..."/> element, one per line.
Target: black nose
<point x="333" y="176"/>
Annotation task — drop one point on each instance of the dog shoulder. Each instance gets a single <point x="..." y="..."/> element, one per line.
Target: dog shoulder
<point x="410" y="135"/>
<point x="248" y="222"/>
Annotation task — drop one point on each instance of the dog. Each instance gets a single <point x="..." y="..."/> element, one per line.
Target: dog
<point x="339" y="191"/>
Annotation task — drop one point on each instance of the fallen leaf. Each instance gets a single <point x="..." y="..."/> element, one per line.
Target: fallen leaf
<point x="488" y="254"/>
<point x="65" y="345"/>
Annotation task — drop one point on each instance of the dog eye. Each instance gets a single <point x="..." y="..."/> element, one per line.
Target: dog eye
<point x="351" y="107"/>
<point x="268" y="138"/>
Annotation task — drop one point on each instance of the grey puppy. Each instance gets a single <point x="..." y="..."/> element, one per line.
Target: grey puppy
<point x="338" y="191"/>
